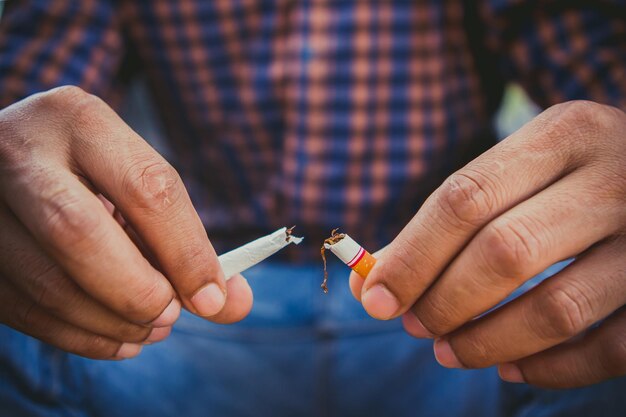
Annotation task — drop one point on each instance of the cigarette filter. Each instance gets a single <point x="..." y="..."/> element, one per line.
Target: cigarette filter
<point x="250" y="254"/>
<point x="352" y="254"/>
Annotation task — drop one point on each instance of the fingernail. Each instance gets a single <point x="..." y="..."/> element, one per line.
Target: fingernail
<point x="414" y="326"/>
<point x="379" y="302"/>
<point x="157" y="334"/>
<point x="169" y="316"/>
<point x="445" y="355"/>
<point x="128" y="350"/>
<point x="209" y="300"/>
<point x="510" y="372"/>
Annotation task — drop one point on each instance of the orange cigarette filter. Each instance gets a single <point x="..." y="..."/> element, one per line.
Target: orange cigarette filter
<point x="364" y="265"/>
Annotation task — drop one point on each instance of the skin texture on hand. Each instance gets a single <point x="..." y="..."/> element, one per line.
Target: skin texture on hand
<point x="554" y="190"/>
<point x="100" y="244"/>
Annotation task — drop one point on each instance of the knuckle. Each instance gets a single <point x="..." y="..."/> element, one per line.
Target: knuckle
<point x="410" y="249"/>
<point x="92" y="346"/>
<point x="583" y="118"/>
<point x="580" y="111"/>
<point x="148" y="303"/>
<point x="566" y="311"/>
<point x="62" y="96"/>
<point x="70" y="100"/>
<point x="21" y="125"/>
<point x="507" y="248"/>
<point x="63" y="298"/>
<point x="573" y="107"/>
<point x="81" y="111"/>
<point x="473" y="350"/>
<point x="400" y="272"/>
<point x="554" y="377"/>
<point x="86" y="115"/>
<point x="574" y="110"/>
<point x="53" y="290"/>
<point x="193" y="260"/>
<point x="131" y="333"/>
<point x="152" y="183"/>
<point x="436" y="314"/>
<point x="56" y="113"/>
<point x="26" y="316"/>
<point x="466" y="198"/>
<point x="614" y="355"/>
<point x="65" y="217"/>
<point x="195" y="254"/>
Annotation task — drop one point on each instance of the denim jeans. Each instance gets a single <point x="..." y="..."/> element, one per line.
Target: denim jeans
<point x="299" y="353"/>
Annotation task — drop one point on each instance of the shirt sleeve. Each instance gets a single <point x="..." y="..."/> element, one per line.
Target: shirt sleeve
<point x="49" y="43"/>
<point x="560" y="50"/>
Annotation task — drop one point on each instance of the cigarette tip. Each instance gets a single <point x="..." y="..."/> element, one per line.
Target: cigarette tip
<point x="289" y="237"/>
<point x="327" y="245"/>
<point x="295" y="239"/>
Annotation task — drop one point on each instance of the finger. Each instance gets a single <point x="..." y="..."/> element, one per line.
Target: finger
<point x="356" y="285"/>
<point x="130" y="232"/>
<point x="549" y="227"/>
<point x="34" y="274"/>
<point x="76" y="230"/>
<point x="556" y="310"/>
<point x="152" y="198"/>
<point x="598" y="356"/>
<point x="469" y="199"/>
<point x="27" y="317"/>
<point x="239" y="289"/>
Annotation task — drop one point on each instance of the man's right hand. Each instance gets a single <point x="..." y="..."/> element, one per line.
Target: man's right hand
<point x="99" y="241"/>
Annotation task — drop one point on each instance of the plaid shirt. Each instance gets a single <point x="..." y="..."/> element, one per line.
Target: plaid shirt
<point x="318" y="113"/>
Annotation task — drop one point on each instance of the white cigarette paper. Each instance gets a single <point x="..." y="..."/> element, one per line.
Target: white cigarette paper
<point x="250" y="254"/>
<point x="346" y="249"/>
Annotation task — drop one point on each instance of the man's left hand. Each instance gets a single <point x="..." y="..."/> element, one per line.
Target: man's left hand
<point x="554" y="190"/>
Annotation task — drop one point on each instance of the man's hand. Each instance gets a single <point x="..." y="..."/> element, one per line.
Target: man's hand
<point x="555" y="189"/>
<point x="99" y="243"/>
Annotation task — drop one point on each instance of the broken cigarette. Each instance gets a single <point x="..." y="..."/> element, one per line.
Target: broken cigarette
<point x="350" y="253"/>
<point x="250" y="254"/>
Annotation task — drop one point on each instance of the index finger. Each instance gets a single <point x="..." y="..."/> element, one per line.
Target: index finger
<point x="75" y="229"/>
<point x="150" y="194"/>
<point x="509" y="173"/>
